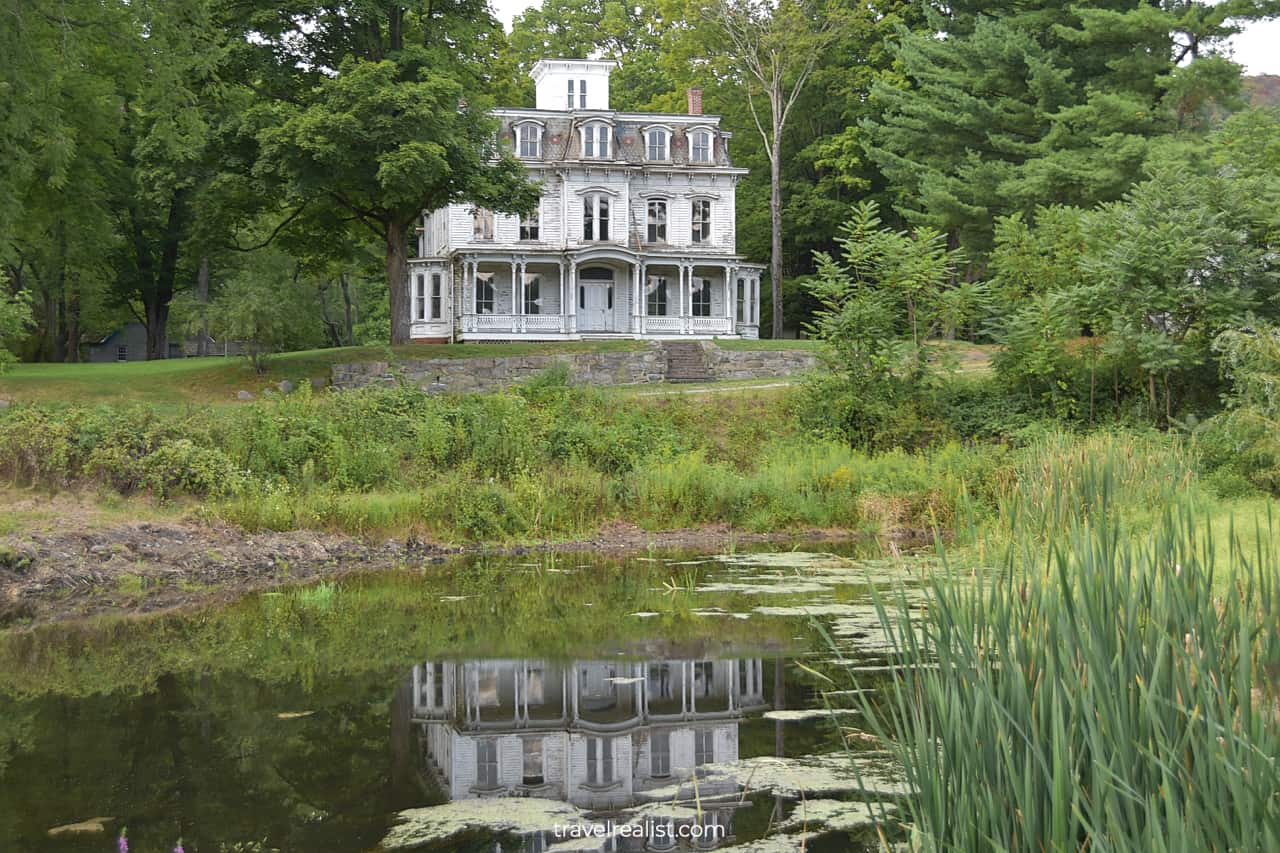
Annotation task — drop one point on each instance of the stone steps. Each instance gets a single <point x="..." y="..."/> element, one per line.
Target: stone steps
<point x="687" y="362"/>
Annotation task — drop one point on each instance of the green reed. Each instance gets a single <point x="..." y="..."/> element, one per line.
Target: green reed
<point x="1096" y="692"/>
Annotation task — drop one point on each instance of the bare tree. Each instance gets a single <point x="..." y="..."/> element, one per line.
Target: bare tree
<point x="771" y="49"/>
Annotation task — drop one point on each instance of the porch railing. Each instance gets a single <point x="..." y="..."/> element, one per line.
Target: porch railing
<point x="513" y="323"/>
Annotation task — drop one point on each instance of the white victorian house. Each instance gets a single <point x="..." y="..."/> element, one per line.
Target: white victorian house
<point x="633" y="236"/>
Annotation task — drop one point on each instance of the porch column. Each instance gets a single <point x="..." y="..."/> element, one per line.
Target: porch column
<point x="573" y="299"/>
<point x="643" y="309"/>
<point x="730" y="291"/>
<point x="564" y="308"/>
<point x="635" y="298"/>
<point x="684" y="326"/>
<point x="755" y="287"/>
<point x="468" y="293"/>
<point x="517" y="302"/>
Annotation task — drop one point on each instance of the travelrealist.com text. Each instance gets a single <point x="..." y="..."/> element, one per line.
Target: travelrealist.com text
<point x="652" y="830"/>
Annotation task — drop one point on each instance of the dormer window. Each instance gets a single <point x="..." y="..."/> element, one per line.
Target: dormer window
<point x="569" y="103"/>
<point x="595" y="140"/>
<point x="700" y="146"/>
<point x="658" y="141"/>
<point x="582" y="95"/>
<point x="529" y="135"/>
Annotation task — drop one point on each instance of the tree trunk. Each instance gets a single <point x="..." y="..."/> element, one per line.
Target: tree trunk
<point x="202" y="293"/>
<point x="775" y="231"/>
<point x="398" y="280"/>
<point x="157" y="329"/>
<point x="349" y="309"/>
<point x="330" y="327"/>
<point x="71" y="315"/>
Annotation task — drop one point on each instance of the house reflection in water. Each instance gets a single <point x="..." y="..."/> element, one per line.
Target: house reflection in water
<point x="597" y="734"/>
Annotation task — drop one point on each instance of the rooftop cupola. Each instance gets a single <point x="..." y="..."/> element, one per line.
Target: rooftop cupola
<point x="572" y="84"/>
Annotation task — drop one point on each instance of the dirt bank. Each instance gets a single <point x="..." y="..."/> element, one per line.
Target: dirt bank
<point x="83" y="567"/>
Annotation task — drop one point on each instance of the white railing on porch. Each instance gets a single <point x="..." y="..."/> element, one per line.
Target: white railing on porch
<point x="709" y="325"/>
<point x="513" y="323"/>
<point x="517" y="324"/>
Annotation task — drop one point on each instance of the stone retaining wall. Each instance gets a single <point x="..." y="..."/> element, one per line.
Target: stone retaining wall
<point x="597" y="368"/>
<point x="759" y="363"/>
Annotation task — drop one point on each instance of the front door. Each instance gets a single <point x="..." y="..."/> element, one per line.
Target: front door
<point x="595" y="300"/>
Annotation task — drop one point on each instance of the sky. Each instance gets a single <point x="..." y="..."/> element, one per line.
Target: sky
<point x="1257" y="48"/>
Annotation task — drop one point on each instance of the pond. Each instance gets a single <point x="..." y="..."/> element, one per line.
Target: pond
<point x="553" y="702"/>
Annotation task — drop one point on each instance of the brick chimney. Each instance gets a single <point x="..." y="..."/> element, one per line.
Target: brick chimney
<point x="695" y="102"/>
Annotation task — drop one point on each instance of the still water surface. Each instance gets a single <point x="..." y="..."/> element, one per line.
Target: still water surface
<point x="647" y="703"/>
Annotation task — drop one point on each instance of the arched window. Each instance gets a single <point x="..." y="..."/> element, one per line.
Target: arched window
<point x="596" y="138"/>
<point x="595" y="216"/>
<point x="658" y="144"/>
<point x="530" y="140"/>
<point x="657" y="221"/>
<point x="700" y="146"/>
<point x="701" y="218"/>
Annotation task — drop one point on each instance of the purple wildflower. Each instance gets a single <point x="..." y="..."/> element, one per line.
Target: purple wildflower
<point x="122" y="843"/>
<point x="179" y="849"/>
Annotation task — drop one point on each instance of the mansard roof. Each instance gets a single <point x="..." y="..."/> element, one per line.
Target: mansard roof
<point x="561" y="137"/>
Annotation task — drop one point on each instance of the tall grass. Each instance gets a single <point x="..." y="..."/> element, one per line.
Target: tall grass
<point x="1096" y="693"/>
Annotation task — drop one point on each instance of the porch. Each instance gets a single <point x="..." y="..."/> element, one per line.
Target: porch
<point x="606" y="296"/>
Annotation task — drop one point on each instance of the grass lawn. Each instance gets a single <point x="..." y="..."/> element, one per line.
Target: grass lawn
<point x="767" y="343"/>
<point x="217" y="379"/>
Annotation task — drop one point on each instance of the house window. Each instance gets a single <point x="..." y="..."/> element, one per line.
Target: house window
<point x="582" y="94"/>
<point x="595" y="217"/>
<point x="704" y="747"/>
<point x="701" y="215"/>
<point x="657" y="144"/>
<point x="599" y="761"/>
<point x="742" y="295"/>
<point x="700" y="146"/>
<point x="657" y="307"/>
<point x="569" y="103"/>
<point x="595" y="140"/>
<point x="122" y="353"/>
<point x="703" y="670"/>
<point x="530" y="225"/>
<point x="484" y="293"/>
<point x="657" y="222"/>
<point x="437" y="679"/>
<point x="420" y="297"/>
<point x="482" y="224"/>
<point x="701" y="306"/>
<point x="532" y="761"/>
<point x="530" y="140"/>
<point x="486" y="764"/>
<point x="660" y="754"/>
<point x="437" y="296"/>
<point x="532" y="293"/>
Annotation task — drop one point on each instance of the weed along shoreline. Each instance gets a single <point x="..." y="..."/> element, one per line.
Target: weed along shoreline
<point x="152" y="566"/>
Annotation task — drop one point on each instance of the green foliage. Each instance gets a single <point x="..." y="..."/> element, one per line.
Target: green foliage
<point x="1118" y="306"/>
<point x="15" y="314"/>
<point x="1108" y="693"/>
<point x="880" y="362"/>
<point x="1027" y="105"/>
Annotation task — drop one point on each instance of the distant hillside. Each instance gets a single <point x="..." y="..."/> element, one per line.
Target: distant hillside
<point x="1263" y="90"/>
